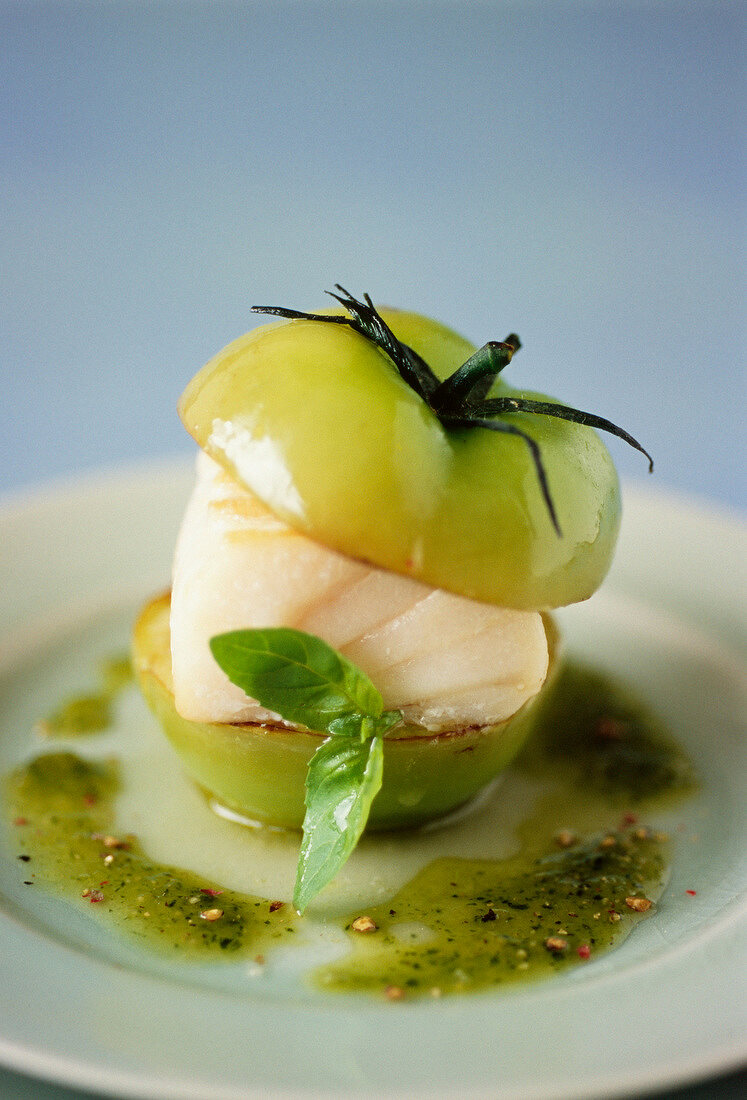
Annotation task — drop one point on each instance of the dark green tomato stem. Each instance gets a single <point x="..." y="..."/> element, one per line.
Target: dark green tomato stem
<point x="473" y="379"/>
<point x="482" y="387"/>
<point x="495" y="406"/>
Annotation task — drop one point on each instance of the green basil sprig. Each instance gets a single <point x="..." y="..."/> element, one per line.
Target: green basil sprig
<point x="306" y="681"/>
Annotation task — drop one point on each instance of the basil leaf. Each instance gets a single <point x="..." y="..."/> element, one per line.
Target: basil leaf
<point x="363" y="726"/>
<point x="343" y="779"/>
<point x="296" y="675"/>
<point x="304" y="680"/>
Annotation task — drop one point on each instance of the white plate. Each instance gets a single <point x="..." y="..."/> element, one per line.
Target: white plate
<point x="666" y="1007"/>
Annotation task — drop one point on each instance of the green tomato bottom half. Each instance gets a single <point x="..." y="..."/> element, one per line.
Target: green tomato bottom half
<point x="259" y="771"/>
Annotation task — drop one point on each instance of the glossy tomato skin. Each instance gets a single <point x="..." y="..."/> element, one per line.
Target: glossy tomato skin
<point x="315" y="420"/>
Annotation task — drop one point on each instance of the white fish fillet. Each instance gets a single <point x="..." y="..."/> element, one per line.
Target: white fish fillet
<point x="446" y="661"/>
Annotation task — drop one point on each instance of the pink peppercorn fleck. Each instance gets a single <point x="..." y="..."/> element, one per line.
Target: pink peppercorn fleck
<point x="584" y="951"/>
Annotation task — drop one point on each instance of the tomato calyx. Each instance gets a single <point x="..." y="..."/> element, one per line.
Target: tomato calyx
<point x="461" y="400"/>
<point x="365" y="320"/>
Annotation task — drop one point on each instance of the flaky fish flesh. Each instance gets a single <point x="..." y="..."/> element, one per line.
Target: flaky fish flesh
<point x="447" y="662"/>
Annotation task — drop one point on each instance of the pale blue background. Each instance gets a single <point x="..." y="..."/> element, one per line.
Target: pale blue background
<point x="568" y="170"/>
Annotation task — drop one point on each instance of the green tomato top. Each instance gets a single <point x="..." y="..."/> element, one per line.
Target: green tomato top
<point x="315" y="420"/>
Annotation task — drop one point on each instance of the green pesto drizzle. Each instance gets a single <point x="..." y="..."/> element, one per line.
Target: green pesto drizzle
<point x="468" y="924"/>
<point x="62" y="809"/>
<point x="598" y="737"/>
<point x="93" y="712"/>
<point x="459" y="924"/>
